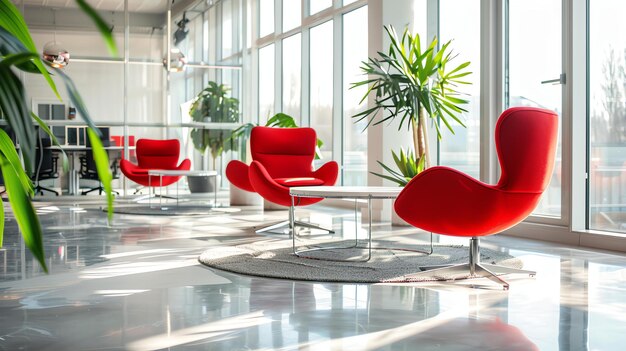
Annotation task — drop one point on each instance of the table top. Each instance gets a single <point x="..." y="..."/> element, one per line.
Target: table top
<point x="78" y="148"/>
<point x="352" y="192"/>
<point x="175" y="172"/>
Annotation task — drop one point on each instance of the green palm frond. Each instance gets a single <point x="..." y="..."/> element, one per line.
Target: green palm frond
<point x="18" y="51"/>
<point x="411" y="79"/>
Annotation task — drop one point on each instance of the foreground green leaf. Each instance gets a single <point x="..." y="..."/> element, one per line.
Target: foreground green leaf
<point x="23" y="211"/>
<point x="15" y="108"/>
<point x="7" y="149"/>
<point x="102" y="166"/>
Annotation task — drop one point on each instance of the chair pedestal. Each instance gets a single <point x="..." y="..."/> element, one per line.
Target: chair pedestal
<point x="475" y="268"/>
<point x="283" y="227"/>
<point x="40" y="189"/>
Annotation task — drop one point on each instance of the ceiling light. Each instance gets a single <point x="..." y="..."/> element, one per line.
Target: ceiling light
<point x="177" y="61"/>
<point x="53" y="51"/>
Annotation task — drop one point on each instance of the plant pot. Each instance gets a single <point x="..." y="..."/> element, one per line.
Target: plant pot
<point x="202" y="184"/>
<point x="239" y="197"/>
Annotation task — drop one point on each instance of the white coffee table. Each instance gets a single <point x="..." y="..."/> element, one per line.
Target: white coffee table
<point x="342" y="192"/>
<point x="167" y="172"/>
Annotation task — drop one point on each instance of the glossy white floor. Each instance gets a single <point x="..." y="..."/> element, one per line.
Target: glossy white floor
<point x="137" y="285"/>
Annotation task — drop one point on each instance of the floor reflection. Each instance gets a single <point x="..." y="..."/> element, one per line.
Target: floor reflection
<point x="137" y="285"/>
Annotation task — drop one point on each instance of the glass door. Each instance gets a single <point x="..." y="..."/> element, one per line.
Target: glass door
<point x="534" y="72"/>
<point x="607" y="115"/>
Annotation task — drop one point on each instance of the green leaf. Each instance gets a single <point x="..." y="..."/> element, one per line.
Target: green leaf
<point x="281" y="120"/>
<point x="1" y="223"/>
<point x="15" y="108"/>
<point x="102" y="26"/>
<point x="8" y="151"/>
<point x="24" y="212"/>
<point x="388" y="169"/>
<point x="400" y="181"/>
<point x="102" y="166"/>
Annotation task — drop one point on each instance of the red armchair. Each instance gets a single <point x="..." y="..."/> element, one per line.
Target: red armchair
<point x="155" y="154"/>
<point x="282" y="158"/>
<point x="445" y="201"/>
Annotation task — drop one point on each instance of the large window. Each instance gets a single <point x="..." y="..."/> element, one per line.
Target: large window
<point x="354" y="134"/>
<point x="335" y="43"/>
<point x="321" y="85"/>
<point x="607" y="113"/>
<point x="534" y="56"/>
<point x="266" y="83"/>
<point x="460" y="22"/>
<point x="292" y="13"/>
<point x="266" y="17"/>
<point x="292" y="53"/>
<point x="316" y="6"/>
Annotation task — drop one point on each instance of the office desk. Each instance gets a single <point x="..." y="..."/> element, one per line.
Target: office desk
<point x="73" y="180"/>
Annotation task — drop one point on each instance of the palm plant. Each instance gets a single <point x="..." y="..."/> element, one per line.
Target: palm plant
<point x="18" y="53"/>
<point x="412" y="84"/>
<point x="408" y="167"/>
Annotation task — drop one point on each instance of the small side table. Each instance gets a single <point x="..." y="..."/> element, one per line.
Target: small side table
<point x="167" y="172"/>
<point x="343" y="192"/>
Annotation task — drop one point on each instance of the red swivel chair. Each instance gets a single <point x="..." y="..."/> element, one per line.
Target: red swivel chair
<point x="282" y="158"/>
<point x="445" y="201"/>
<point x="155" y="154"/>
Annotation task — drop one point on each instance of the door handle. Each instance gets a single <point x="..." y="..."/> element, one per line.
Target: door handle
<point x="560" y="80"/>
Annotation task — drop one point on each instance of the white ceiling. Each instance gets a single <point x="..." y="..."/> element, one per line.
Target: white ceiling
<point x="145" y="6"/>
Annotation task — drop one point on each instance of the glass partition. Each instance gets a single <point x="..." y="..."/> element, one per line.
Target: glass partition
<point x="133" y="96"/>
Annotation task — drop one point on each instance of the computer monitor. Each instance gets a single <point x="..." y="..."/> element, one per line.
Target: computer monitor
<point x="106" y="136"/>
<point x="75" y="135"/>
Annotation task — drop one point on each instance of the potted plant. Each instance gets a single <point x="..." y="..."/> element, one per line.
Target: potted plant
<point x="212" y="105"/>
<point x="413" y="84"/>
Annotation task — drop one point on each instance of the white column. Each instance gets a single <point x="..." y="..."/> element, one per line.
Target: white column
<point x="384" y="138"/>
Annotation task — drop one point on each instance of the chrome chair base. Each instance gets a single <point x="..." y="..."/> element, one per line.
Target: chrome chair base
<point x="40" y="189"/>
<point x="475" y="268"/>
<point x="99" y="189"/>
<point x="285" y="229"/>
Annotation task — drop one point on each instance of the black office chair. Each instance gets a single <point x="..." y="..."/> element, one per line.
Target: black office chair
<point x="46" y="162"/>
<point x="88" y="170"/>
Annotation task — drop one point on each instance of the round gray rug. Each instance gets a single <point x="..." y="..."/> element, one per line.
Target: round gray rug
<point x="275" y="259"/>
